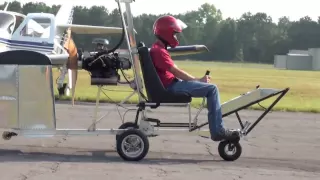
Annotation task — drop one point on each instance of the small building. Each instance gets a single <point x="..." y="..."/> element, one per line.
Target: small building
<point x="315" y="53"/>
<point x="280" y="61"/>
<point x="299" y="60"/>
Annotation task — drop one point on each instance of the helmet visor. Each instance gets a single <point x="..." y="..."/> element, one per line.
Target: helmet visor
<point x="181" y="24"/>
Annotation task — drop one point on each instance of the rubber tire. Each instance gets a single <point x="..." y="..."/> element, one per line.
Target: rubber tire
<point x="6" y="135"/>
<point x="227" y="157"/>
<point x="127" y="125"/>
<point x="131" y="132"/>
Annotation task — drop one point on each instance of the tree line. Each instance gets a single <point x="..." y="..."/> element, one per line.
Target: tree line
<point x="250" y="38"/>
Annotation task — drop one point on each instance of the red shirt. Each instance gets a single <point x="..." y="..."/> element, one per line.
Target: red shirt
<point x="162" y="62"/>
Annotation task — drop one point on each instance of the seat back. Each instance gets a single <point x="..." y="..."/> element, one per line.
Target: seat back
<point x="154" y="87"/>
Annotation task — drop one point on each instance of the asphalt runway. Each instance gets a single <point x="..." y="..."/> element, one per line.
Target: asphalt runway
<point x="283" y="146"/>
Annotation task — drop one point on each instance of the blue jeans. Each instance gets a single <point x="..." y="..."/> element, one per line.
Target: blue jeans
<point x="211" y="92"/>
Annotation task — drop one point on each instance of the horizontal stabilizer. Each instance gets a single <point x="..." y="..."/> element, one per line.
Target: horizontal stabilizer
<point x="58" y="59"/>
<point x="246" y="99"/>
<point x="87" y="29"/>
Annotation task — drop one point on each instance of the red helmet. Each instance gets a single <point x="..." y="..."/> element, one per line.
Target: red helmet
<point x="165" y="28"/>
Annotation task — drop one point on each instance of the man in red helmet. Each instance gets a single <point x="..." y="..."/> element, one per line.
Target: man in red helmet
<point x="175" y="79"/>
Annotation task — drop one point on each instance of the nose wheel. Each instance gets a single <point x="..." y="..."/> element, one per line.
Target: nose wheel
<point x="229" y="150"/>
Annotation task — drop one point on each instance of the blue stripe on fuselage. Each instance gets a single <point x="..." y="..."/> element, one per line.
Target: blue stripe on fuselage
<point x="26" y="44"/>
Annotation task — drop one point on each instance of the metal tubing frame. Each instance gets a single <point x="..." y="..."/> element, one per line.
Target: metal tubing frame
<point x="192" y="124"/>
<point x="84" y="132"/>
<point x="246" y="128"/>
<point x="131" y="43"/>
<point x="141" y="109"/>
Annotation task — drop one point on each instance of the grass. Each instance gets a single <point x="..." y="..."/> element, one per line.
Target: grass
<point x="232" y="79"/>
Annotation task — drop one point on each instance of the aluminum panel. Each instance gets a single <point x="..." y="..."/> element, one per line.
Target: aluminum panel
<point x="36" y="97"/>
<point x="8" y="96"/>
<point x="246" y="99"/>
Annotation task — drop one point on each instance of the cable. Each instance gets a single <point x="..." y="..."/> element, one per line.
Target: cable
<point x="115" y="90"/>
<point x="142" y="95"/>
<point x="263" y="107"/>
<point x="126" y="113"/>
<point x="121" y="40"/>
<point x="128" y="109"/>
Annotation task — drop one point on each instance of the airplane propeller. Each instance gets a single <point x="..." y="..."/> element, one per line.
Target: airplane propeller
<point x="72" y="63"/>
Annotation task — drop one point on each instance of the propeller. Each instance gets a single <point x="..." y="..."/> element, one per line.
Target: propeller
<point x="72" y="63"/>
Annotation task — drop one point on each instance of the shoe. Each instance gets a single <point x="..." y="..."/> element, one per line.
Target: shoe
<point x="226" y="134"/>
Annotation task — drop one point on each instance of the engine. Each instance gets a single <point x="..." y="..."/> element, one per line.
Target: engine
<point x="104" y="69"/>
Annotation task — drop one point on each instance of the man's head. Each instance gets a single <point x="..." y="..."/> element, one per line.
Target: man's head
<point x="165" y="29"/>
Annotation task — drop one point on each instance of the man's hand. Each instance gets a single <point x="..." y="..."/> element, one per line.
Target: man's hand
<point x="205" y="79"/>
<point x="179" y="73"/>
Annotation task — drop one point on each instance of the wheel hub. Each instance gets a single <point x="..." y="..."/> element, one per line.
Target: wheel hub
<point x="230" y="149"/>
<point x="132" y="145"/>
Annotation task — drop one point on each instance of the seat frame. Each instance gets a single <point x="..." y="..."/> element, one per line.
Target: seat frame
<point x="154" y="87"/>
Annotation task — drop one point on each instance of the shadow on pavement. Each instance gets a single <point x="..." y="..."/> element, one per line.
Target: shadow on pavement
<point x="7" y="155"/>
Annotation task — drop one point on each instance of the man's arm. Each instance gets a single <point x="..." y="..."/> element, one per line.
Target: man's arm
<point x="181" y="74"/>
<point x="168" y="64"/>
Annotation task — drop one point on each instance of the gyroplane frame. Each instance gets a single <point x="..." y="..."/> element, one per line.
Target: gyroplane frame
<point x="29" y="114"/>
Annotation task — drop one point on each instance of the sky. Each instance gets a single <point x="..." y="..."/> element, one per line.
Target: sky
<point x="294" y="9"/>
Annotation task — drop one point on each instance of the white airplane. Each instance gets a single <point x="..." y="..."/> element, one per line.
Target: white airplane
<point x="48" y="34"/>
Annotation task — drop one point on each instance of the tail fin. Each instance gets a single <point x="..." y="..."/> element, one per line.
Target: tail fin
<point x="7" y="5"/>
<point x="64" y="16"/>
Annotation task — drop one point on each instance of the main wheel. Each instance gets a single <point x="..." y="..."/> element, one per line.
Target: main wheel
<point x="127" y="125"/>
<point x="132" y="145"/>
<point x="229" y="150"/>
<point x="6" y="135"/>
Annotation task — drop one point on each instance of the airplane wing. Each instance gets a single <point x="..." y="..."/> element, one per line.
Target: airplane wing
<point x="87" y="29"/>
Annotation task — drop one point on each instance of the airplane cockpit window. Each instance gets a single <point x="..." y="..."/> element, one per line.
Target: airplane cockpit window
<point x="37" y="27"/>
<point x="6" y="22"/>
<point x="19" y="20"/>
<point x="10" y="28"/>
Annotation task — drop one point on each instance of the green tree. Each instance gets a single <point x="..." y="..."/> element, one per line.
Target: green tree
<point x="252" y="37"/>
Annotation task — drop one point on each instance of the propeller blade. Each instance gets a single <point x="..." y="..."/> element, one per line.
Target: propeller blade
<point x="74" y="77"/>
<point x="72" y="63"/>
